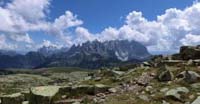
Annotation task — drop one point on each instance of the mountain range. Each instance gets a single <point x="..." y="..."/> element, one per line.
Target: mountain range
<point x="91" y="54"/>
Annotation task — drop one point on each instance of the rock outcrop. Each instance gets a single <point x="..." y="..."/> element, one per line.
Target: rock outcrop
<point x="177" y="93"/>
<point x="16" y="98"/>
<point x="190" y="52"/>
<point x="43" y="95"/>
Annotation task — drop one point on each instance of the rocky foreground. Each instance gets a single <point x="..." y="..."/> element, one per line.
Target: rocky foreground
<point x="171" y="79"/>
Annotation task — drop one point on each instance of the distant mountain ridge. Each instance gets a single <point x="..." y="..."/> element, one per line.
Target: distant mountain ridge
<point x="93" y="54"/>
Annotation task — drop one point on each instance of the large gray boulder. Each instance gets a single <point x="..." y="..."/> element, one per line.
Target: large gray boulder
<point x="177" y="93"/>
<point x="16" y="98"/>
<point x="43" y="94"/>
<point x="166" y="75"/>
<point x="189" y="76"/>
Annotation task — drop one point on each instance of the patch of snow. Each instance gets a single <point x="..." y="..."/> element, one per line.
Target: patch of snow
<point x="123" y="56"/>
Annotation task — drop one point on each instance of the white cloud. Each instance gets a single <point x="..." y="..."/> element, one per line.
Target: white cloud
<point x="47" y="43"/>
<point x="21" y="38"/>
<point x="61" y="24"/>
<point x="30" y="10"/>
<point x="2" y="39"/>
<point x="24" y="15"/>
<point x="191" y="39"/>
<point x="19" y="17"/>
<point x="4" y="45"/>
<point x="83" y="35"/>
<point x="67" y="20"/>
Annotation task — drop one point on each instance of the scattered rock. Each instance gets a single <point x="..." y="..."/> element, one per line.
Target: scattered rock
<point x="25" y="102"/>
<point x="190" y="62"/>
<point x="97" y="78"/>
<point x="144" y="79"/>
<point x="195" y="85"/>
<point x="112" y="90"/>
<point x="164" y="90"/>
<point x="166" y="75"/>
<point x="144" y="97"/>
<point x="177" y="93"/>
<point x="16" y="98"/>
<point x="76" y="103"/>
<point x="101" y="95"/>
<point x="88" y="78"/>
<point x="189" y="76"/>
<point x="164" y="102"/>
<point x="148" y="88"/>
<point x="43" y="94"/>
<point x="146" y="64"/>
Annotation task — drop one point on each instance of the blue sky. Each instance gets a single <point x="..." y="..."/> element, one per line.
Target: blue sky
<point x="161" y="25"/>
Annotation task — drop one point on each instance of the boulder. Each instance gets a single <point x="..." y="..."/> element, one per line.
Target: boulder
<point x="177" y="93"/>
<point x="112" y="90"/>
<point x="189" y="76"/>
<point x="144" y="98"/>
<point x="117" y="73"/>
<point x="144" y="79"/>
<point x="43" y="94"/>
<point x="166" y="75"/>
<point x="16" y="98"/>
<point x="98" y="78"/>
<point x="190" y="62"/>
<point x="196" y="101"/>
<point x="164" y="89"/>
<point x="146" y="64"/>
<point x="25" y="102"/>
<point x="195" y="86"/>
<point x="148" y="88"/>
<point x="165" y="102"/>
<point x="190" y="52"/>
